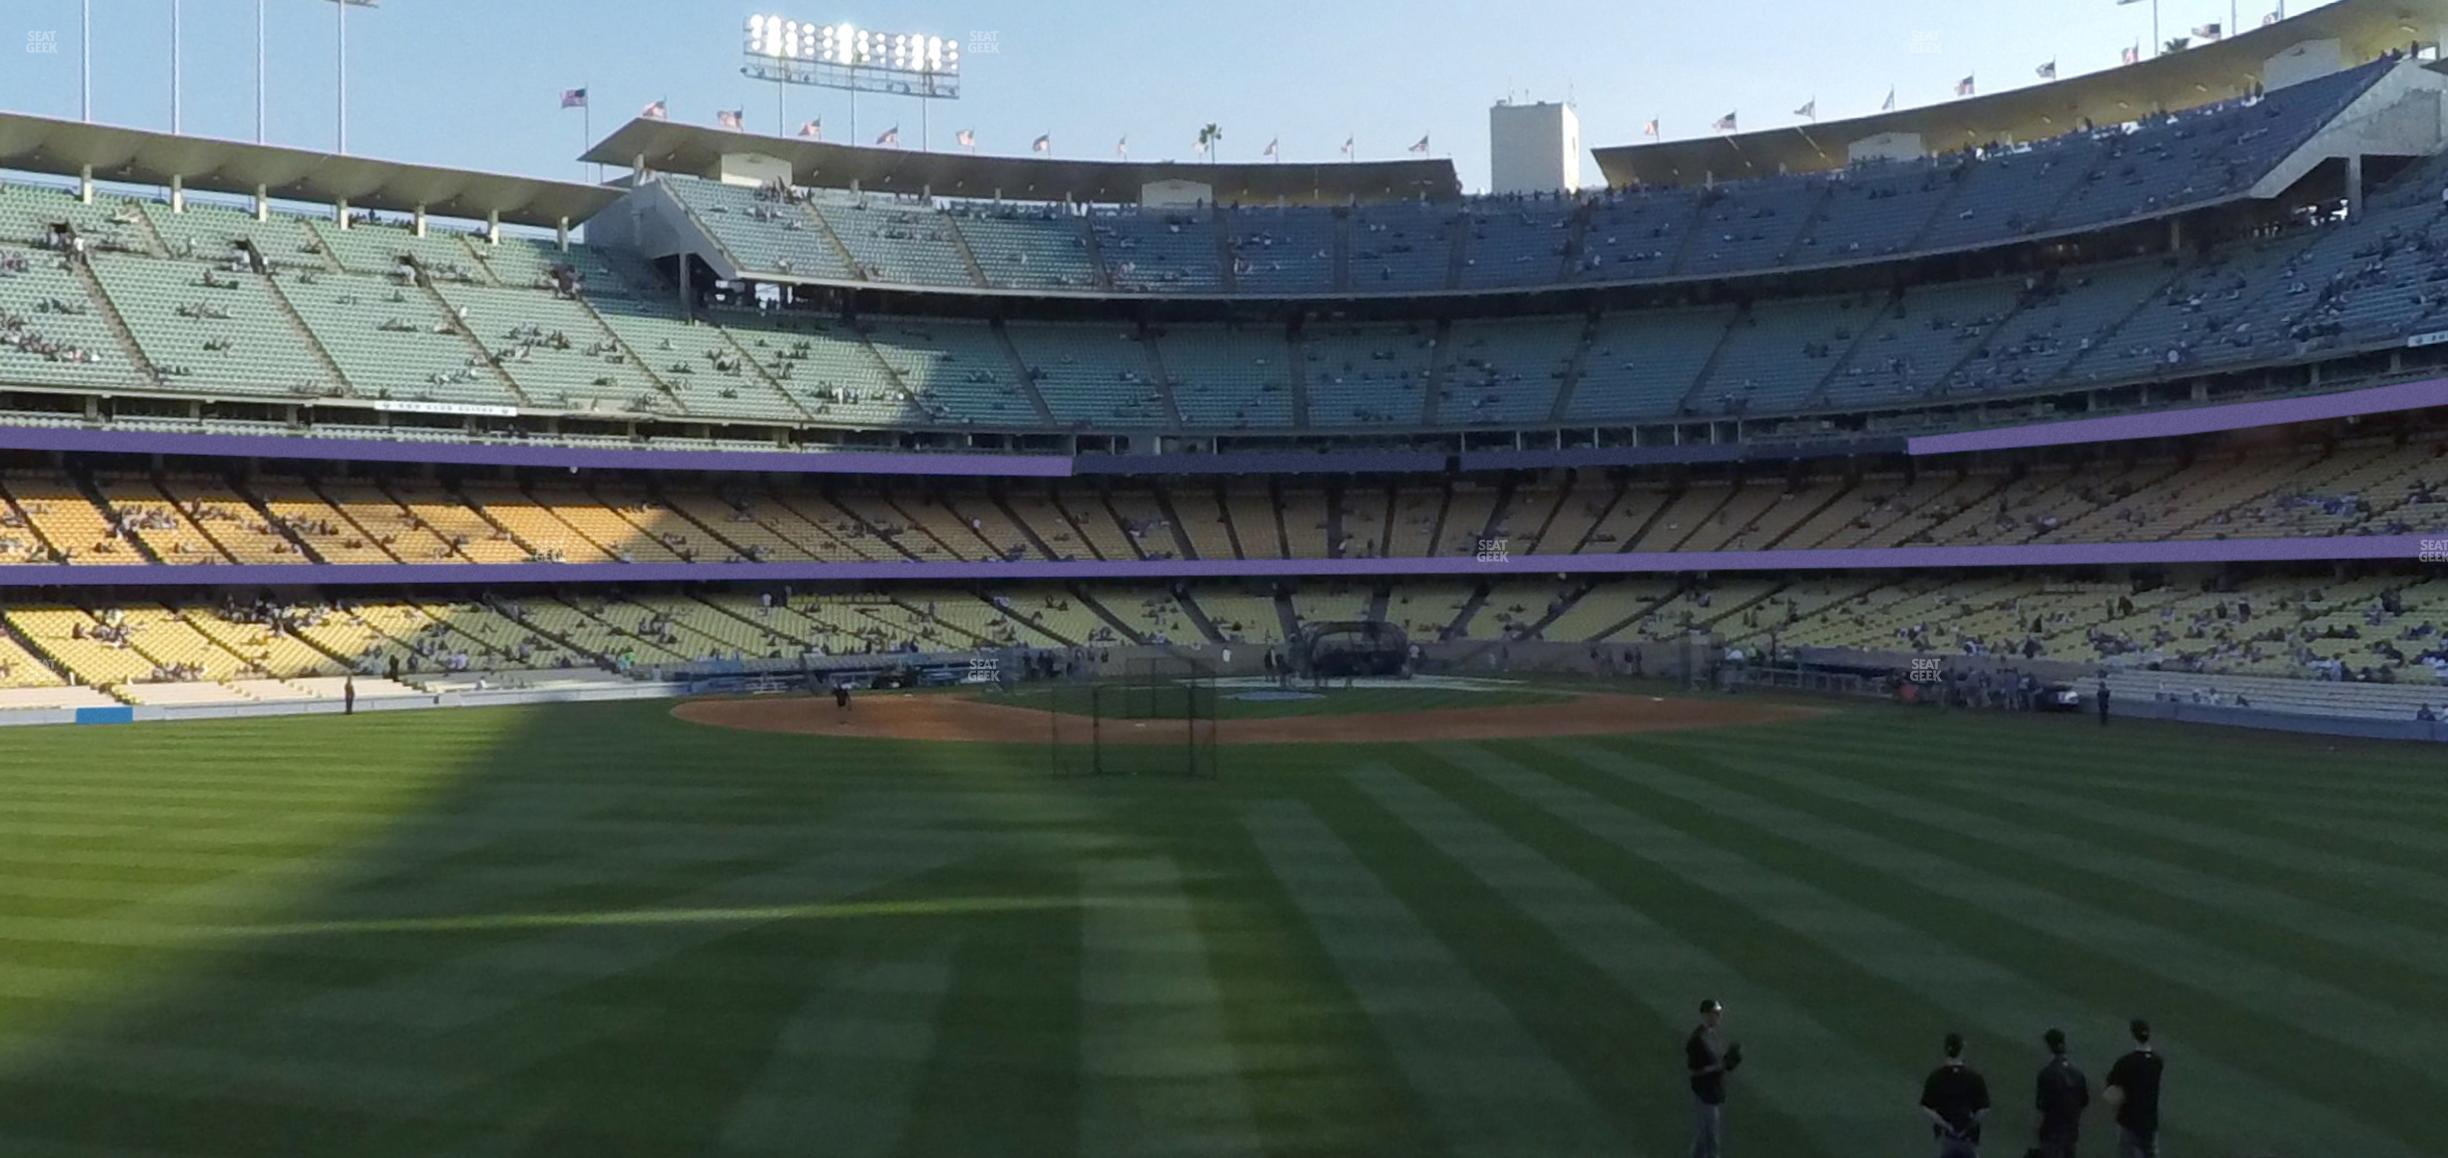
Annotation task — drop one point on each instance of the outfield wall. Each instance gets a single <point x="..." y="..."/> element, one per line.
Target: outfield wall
<point x="2435" y="732"/>
<point x="489" y="698"/>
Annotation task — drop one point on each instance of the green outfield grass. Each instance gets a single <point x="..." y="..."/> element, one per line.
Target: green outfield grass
<point x="598" y="930"/>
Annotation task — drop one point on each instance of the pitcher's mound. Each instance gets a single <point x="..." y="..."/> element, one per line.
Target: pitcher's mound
<point x="918" y="716"/>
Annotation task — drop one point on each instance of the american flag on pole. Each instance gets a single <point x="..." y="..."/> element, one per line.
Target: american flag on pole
<point x="1272" y="149"/>
<point x="1724" y="124"/>
<point x="1043" y="144"/>
<point x="2208" y="31"/>
<point x="573" y="98"/>
<point x="813" y="130"/>
<point x="2133" y="55"/>
<point x="1422" y="146"/>
<point x="1889" y="107"/>
<point x="1963" y="87"/>
<point x="1122" y="148"/>
<point x="1810" y="109"/>
<point x="1348" y="142"/>
<point x="2047" y="71"/>
<point x="1652" y="129"/>
<point x="966" y="138"/>
<point x="891" y="136"/>
<point x="653" y="112"/>
<point x="2272" y="18"/>
<point x="730" y="118"/>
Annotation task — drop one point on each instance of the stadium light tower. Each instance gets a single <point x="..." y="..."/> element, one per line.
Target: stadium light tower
<point x="854" y="60"/>
<point x="344" y="6"/>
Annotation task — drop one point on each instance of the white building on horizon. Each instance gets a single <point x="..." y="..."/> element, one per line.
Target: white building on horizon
<point x="1533" y="148"/>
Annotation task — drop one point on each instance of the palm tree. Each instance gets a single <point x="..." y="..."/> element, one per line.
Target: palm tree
<point x="2179" y="44"/>
<point x="1209" y="137"/>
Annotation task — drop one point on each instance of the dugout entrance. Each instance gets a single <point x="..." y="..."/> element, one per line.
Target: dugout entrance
<point x="1157" y="718"/>
<point x="1354" y="649"/>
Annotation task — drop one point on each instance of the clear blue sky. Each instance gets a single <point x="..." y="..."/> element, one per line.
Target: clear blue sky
<point x="475" y="83"/>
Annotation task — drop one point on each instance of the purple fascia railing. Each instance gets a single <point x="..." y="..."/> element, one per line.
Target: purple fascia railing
<point x="2430" y="547"/>
<point x="556" y="457"/>
<point x="943" y="464"/>
<point x="2194" y="420"/>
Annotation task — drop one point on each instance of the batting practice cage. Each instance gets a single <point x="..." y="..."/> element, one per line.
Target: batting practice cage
<point x="1354" y="648"/>
<point x="1158" y="718"/>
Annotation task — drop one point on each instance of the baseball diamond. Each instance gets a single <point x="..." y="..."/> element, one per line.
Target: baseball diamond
<point x="1916" y="625"/>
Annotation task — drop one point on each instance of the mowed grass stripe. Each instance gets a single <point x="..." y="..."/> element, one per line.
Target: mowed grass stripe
<point x="2173" y="827"/>
<point x="1546" y="988"/>
<point x="1004" y="1075"/>
<point x="2135" y="804"/>
<point x="2241" y="1004"/>
<point x="2242" y="917"/>
<point x="495" y="980"/>
<point x="1490" y="1088"/>
<point x="843" y="1072"/>
<point x="2001" y="1006"/>
<point x="2246" y="758"/>
<point x="1839" y="1103"/>
<point x="438" y="886"/>
<point x="1158" y="1074"/>
<point x="1321" y="1082"/>
<point x="2417" y="842"/>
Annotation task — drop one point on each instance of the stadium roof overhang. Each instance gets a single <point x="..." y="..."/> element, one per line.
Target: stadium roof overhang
<point x="669" y="147"/>
<point x="144" y="157"/>
<point x="2218" y="71"/>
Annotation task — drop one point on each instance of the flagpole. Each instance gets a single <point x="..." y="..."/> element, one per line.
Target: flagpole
<point x="2155" y="41"/>
<point x="586" y="124"/>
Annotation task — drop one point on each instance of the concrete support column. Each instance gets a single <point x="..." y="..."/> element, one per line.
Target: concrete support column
<point x="263" y="204"/>
<point x="417" y="225"/>
<point x="85" y="184"/>
<point x="178" y="193"/>
<point x="341" y="209"/>
<point x="493" y="226"/>
<point x="2354" y="185"/>
<point x="561" y="233"/>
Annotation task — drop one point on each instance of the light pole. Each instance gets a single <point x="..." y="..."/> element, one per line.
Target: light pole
<point x="175" y="5"/>
<point x="85" y="65"/>
<point x="854" y="60"/>
<point x="259" y="72"/>
<point x="342" y="98"/>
